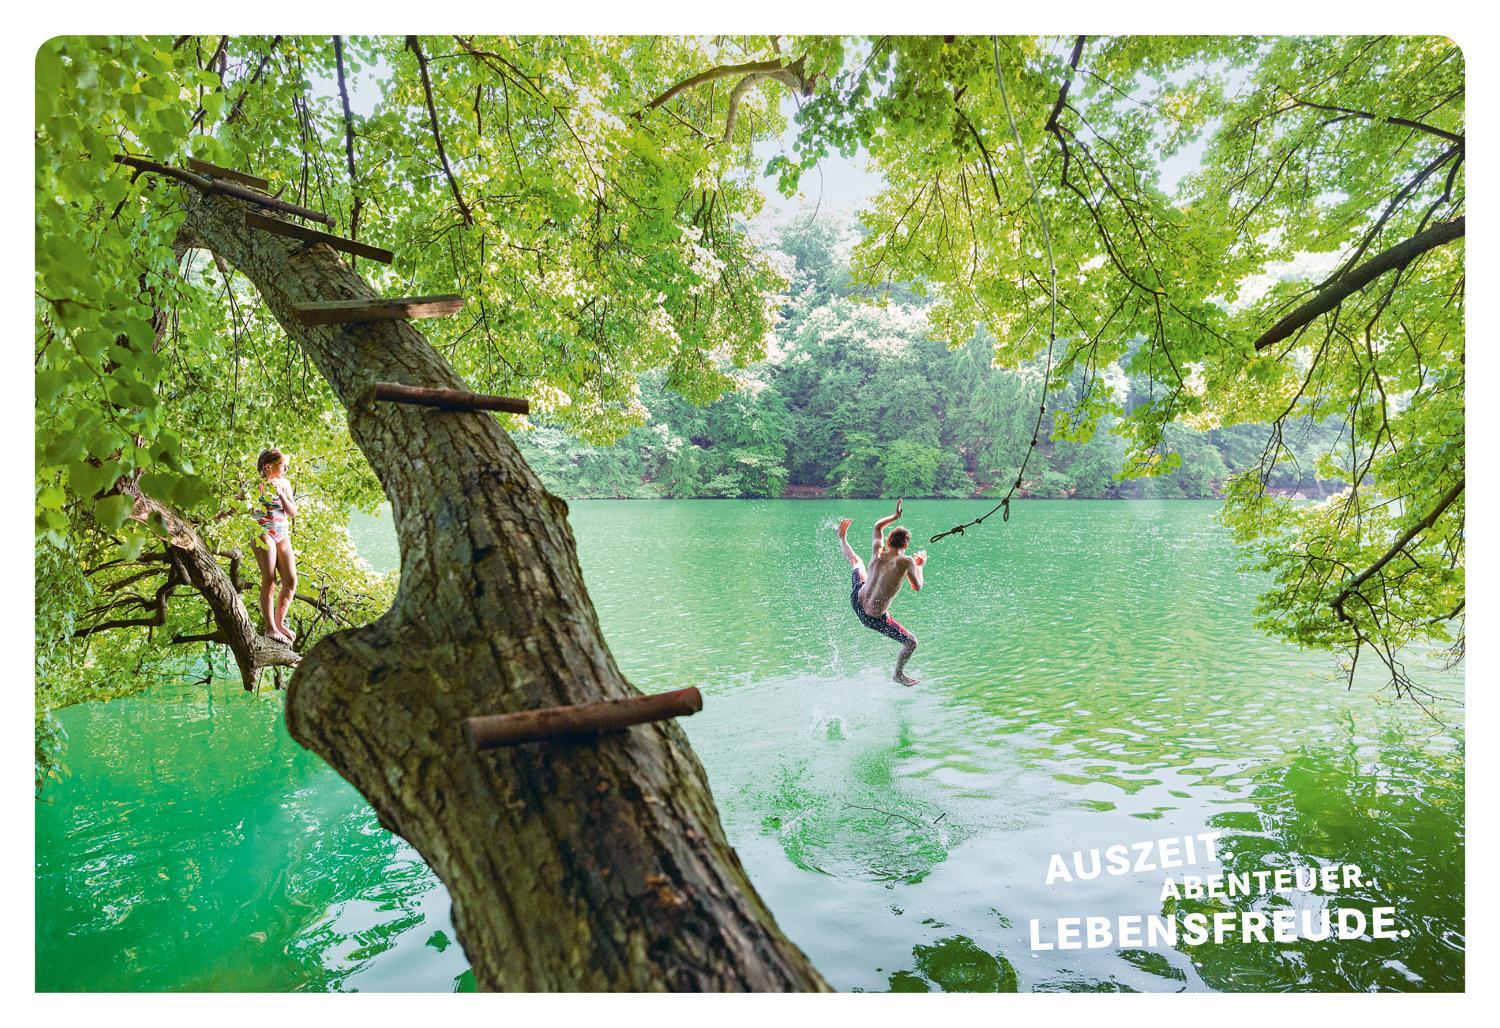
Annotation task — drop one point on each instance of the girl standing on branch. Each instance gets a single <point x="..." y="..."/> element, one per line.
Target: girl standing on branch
<point x="273" y="546"/>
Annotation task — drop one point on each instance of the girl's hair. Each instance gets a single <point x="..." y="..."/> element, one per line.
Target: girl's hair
<point x="899" y="538"/>
<point x="271" y="456"/>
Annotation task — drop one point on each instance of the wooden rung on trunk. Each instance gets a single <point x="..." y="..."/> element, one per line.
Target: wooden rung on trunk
<point x="342" y="312"/>
<point x="209" y="184"/>
<point x="581" y="721"/>
<point x="312" y="235"/>
<point x="449" y="399"/>
<point x="214" y="171"/>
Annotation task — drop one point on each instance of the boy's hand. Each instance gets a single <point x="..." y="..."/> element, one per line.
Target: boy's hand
<point x="898" y="507"/>
<point x="921" y="557"/>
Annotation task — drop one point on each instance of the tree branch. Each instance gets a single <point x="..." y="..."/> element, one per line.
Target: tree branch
<point x="723" y="71"/>
<point x="239" y="101"/>
<point x="338" y="56"/>
<point x="1333" y="294"/>
<point x="323" y="608"/>
<point x="1452" y="137"/>
<point x="194" y="564"/>
<point x="1395" y="203"/>
<point x="221" y="58"/>
<point x="416" y="47"/>
<point x="205" y="637"/>
<point x="1062" y="94"/>
<point x="791" y="74"/>
<point x="158" y="605"/>
<point x="1396" y="547"/>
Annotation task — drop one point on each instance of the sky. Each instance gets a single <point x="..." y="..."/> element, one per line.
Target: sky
<point x="839" y="188"/>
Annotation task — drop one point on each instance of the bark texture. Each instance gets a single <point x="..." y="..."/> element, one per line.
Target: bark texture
<point x="598" y="865"/>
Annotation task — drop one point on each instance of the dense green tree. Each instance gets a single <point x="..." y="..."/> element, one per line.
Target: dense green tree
<point x="909" y="467"/>
<point x="860" y="400"/>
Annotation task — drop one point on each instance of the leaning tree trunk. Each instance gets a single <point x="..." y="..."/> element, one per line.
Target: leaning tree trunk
<point x="197" y="566"/>
<point x="597" y="865"/>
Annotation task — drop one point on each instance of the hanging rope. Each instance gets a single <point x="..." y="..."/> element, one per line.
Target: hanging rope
<point x="1036" y="199"/>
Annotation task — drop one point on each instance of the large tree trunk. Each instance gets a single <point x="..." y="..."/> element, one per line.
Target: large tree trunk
<point x="591" y="865"/>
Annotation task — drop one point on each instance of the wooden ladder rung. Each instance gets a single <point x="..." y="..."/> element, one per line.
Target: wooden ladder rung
<point x="581" y="721"/>
<point x="449" y="399"/>
<point x="342" y="312"/>
<point x="223" y="186"/>
<point x="312" y="235"/>
<point x="204" y="168"/>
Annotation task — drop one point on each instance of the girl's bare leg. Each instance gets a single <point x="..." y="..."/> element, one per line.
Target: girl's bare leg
<point x="267" y="565"/>
<point x="286" y="564"/>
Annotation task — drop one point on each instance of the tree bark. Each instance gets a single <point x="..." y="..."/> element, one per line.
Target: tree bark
<point x="584" y="866"/>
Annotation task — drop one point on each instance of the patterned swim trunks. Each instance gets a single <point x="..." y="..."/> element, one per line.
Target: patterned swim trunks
<point x="887" y="625"/>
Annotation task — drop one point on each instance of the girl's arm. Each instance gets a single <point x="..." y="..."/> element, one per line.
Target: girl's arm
<point x="288" y="504"/>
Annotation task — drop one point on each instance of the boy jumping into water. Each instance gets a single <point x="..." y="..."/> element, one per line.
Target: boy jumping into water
<point x="873" y="592"/>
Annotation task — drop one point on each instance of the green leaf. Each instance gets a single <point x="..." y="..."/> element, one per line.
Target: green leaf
<point x="130" y="547"/>
<point x="62" y="449"/>
<point x="112" y="511"/>
<point x="87" y="480"/>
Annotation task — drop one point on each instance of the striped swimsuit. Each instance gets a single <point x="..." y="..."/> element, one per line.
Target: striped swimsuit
<point x="273" y="518"/>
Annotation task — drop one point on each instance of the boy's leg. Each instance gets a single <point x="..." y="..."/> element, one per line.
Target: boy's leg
<point x="849" y="554"/>
<point x="908" y="647"/>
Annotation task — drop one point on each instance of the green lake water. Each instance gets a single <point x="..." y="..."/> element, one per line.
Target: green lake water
<point x="1090" y="675"/>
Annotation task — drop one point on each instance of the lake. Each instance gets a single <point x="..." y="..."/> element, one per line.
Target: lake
<point x="1090" y="675"/>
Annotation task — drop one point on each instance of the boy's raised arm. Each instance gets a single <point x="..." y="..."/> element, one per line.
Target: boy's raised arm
<point x="878" y="537"/>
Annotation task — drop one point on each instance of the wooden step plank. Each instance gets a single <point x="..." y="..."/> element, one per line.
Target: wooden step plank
<point x="213" y="185"/>
<point x="580" y="722"/>
<point x="312" y="235"/>
<point x="342" y="312"/>
<point x="449" y="399"/>
<point x="204" y="168"/>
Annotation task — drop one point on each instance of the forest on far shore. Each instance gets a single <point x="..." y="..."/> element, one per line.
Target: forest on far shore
<point x="857" y="399"/>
